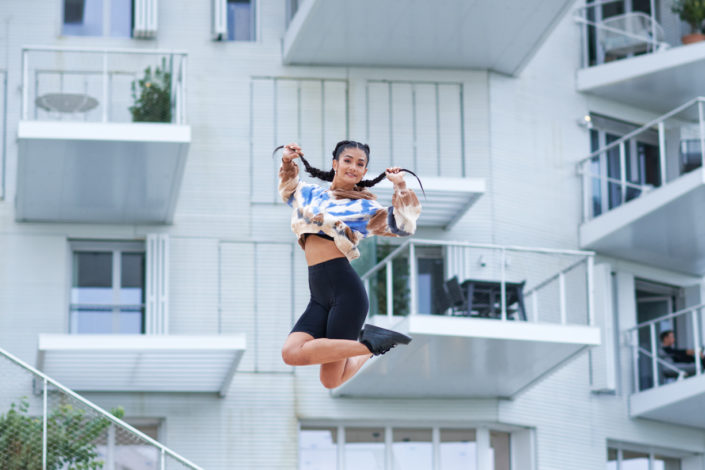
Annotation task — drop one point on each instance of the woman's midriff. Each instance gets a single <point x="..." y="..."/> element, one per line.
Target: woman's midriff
<point x="319" y="250"/>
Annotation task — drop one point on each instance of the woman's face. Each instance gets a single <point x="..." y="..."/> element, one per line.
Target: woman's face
<point x="350" y="167"/>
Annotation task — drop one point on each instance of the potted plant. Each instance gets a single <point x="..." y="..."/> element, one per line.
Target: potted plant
<point x="152" y="96"/>
<point x="693" y="13"/>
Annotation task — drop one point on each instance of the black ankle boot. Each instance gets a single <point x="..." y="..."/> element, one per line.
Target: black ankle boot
<point x="380" y="340"/>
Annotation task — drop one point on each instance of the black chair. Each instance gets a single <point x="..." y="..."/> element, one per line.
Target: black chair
<point x="441" y="300"/>
<point x="458" y="301"/>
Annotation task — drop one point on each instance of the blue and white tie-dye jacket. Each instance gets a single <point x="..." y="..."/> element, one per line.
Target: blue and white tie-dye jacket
<point x="347" y="216"/>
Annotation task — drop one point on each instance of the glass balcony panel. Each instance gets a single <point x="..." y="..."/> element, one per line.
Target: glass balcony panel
<point x="364" y="448"/>
<point x="458" y="449"/>
<point x="412" y="449"/>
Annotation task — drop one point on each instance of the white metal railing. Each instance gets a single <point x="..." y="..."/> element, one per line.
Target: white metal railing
<point x="102" y="85"/>
<point x="617" y="36"/>
<point x="649" y="360"/>
<point x="551" y="277"/>
<point x="616" y="173"/>
<point x="102" y="432"/>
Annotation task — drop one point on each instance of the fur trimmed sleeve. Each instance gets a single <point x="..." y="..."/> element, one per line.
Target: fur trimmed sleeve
<point x="288" y="180"/>
<point x="398" y="220"/>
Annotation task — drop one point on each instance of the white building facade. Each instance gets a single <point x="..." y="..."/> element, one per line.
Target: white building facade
<point x="147" y="261"/>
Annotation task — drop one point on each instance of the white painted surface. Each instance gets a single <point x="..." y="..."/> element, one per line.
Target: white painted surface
<point x="495" y="35"/>
<point x="663" y="228"/>
<point x="681" y="402"/>
<point x="658" y="82"/>
<point x="141" y="363"/>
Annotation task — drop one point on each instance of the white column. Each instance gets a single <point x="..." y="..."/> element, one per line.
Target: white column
<point x="484" y="453"/>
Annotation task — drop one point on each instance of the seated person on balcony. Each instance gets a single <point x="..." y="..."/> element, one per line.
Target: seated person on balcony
<point x="329" y="223"/>
<point x="678" y="356"/>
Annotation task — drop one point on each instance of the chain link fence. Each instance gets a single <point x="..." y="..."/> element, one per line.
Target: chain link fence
<point x="44" y="426"/>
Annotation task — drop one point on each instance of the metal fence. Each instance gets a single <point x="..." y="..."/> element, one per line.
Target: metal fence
<point x="103" y="85"/>
<point x="45" y="426"/>
<point x="524" y="284"/>
<point x="647" y="158"/>
<point x="653" y="366"/>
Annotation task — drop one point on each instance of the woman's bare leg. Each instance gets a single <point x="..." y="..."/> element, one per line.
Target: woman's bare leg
<point x="334" y="374"/>
<point x="302" y="349"/>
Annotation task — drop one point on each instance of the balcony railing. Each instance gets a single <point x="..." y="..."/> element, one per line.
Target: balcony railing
<point x="610" y="32"/>
<point x="532" y="284"/>
<point x="651" y="365"/>
<point x="46" y="425"/>
<point x="648" y="157"/>
<point x="103" y="85"/>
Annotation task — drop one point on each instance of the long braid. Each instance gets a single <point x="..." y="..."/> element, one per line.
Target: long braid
<point x="340" y="146"/>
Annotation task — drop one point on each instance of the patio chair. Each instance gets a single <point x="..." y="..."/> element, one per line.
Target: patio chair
<point x="629" y="33"/>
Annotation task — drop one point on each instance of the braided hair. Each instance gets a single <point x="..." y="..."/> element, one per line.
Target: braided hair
<point x="339" y="148"/>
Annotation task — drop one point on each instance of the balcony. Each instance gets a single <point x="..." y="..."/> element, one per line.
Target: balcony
<point x="141" y="363"/>
<point x="487" y="321"/>
<point x="642" y="193"/>
<point x="497" y="35"/>
<point x="678" y="394"/>
<point x="637" y="57"/>
<point x="102" y="136"/>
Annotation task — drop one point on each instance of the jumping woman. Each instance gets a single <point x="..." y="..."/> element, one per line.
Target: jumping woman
<point x="329" y="224"/>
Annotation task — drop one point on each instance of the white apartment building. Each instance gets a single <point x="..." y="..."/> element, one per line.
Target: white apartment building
<point x="147" y="261"/>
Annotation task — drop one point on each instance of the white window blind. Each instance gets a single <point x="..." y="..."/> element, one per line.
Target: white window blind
<point x="219" y="20"/>
<point x="157" y="321"/>
<point x="145" y="19"/>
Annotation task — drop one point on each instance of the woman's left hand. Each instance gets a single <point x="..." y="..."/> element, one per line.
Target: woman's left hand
<point x="395" y="175"/>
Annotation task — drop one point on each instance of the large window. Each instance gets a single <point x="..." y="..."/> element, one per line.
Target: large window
<point x="97" y="18"/>
<point x="410" y="448"/>
<point x="107" y="288"/>
<point x="619" y="458"/>
<point x="241" y="20"/>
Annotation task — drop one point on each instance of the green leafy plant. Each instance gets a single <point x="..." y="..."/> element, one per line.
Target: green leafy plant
<point x="71" y="437"/>
<point x="152" y="96"/>
<point x="400" y="281"/>
<point x="692" y="12"/>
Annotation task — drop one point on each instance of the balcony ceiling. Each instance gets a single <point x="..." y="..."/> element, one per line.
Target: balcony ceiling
<point x="658" y="82"/>
<point x="663" y="228"/>
<point x="447" y="199"/>
<point x="99" y="172"/>
<point x="141" y="363"/>
<point x="463" y="358"/>
<point x="499" y="35"/>
<point x="680" y="403"/>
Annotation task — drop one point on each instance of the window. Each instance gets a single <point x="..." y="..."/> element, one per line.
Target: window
<point x="241" y="20"/>
<point x="329" y="447"/>
<point x="97" y="18"/>
<point x="121" y="447"/>
<point x="107" y="288"/>
<point x="630" y="459"/>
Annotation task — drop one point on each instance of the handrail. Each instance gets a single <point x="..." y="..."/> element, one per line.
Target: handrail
<point x="99" y="410"/>
<point x="681" y="372"/>
<point x="553" y="251"/>
<point x="620" y="31"/>
<point x="385" y="260"/>
<point x="597" y="4"/>
<point x="666" y="317"/>
<point x="643" y="128"/>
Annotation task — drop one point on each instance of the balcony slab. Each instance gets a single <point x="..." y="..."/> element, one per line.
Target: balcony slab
<point x="100" y="172"/>
<point x="453" y="357"/>
<point x="499" y="35"/>
<point x="681" y="402"/>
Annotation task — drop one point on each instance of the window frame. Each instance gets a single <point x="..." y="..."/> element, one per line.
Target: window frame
<point x="108" y="246"/>
<point x="652" y="451"/>
<point x="106" y="30"/>
<point x="435" y="429"/>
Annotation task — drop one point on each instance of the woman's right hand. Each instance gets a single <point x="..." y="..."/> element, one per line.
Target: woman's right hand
<point x="292" y="151"/>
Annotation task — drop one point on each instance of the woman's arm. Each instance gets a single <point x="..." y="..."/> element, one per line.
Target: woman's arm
<point x="289" y="172"/>
<point x="399" y="220"/>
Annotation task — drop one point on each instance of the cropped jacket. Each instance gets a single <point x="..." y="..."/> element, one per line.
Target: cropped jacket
<point x="347" y="216"/>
